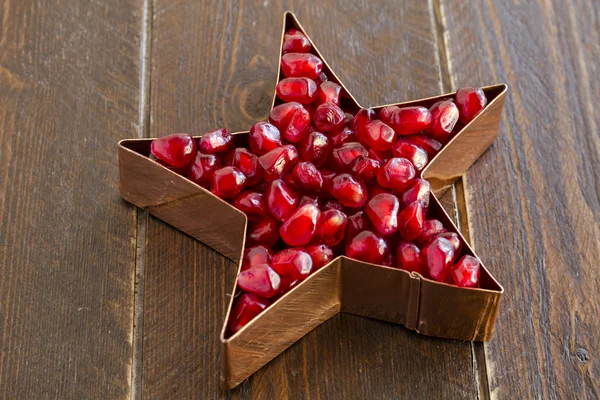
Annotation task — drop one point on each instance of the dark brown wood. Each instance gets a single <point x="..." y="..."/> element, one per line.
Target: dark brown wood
<point x="532" y="200"/>
<point x="69" y="90"/>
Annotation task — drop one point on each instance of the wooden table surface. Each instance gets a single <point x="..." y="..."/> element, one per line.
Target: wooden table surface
<point x="100" y="300"/>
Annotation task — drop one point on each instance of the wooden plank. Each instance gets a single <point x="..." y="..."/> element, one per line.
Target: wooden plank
<point x="69" y="88"/>
<point x="533" y="198"/>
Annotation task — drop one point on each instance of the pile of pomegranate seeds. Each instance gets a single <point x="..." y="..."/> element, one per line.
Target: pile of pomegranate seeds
<point x="321" y="179"/>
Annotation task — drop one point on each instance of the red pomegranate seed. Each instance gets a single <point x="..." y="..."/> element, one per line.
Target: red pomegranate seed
<point x="411" y="219"/>
<point x="381" y="156"/>
<point x="357" y="223"/>
<point x="288" y="178"/>
<point x="342" y="157"/>
<point x="374" y="189"/>
<point x="431" y="146"/>
<point x="360" y="121"/>
<point x="282" y="199"/>
<point x="454" y="239"/>
<point x="307" y="176"/>
<point x="378" y="136"/>
<point x="315" y="147"/>
<point x="246" y="308"/>
<point x="264" y="231"/>
<point x="431" y="228"/>
<point x="292" y="119"/>
<point x="247" y="162"/>
<point x="177" y="150"/>
<point x="300" y="227"/>
<point x="180" y="171"/>
<point x="364" y="167"/>
<point x="322" y="78"/>
<point x="328" y="117"/>
<point x="278" y="162"/>
<point x="332" y="205"/>
<point x="438" y="256"/>
<point x="409" y="120"/>
<point x="255" y="255"/>
<point x="309" y="198"/>
<point x="444" y="116"/>
<point x="301" y="90"/>
<point x="327" y="176"/>
<point x="383" y="213"/>
<point x="264" y="137"/>
<point x="413" y="153"/>
<point x="293" y="263"/>
<point x="287" y="284"/>
<point x="298" y="65"/>
<point x="396" y="173"/>
<point x="349" y="191"/>
<point x="202" y="169"/>
<point x="332" y="227"/>
<point x="368" y="247"/>
<point x="409" y="258"/>
<point x="253" y="204"/>
<point x="343" y="135"/>
<point x="328" y="92"/>
<point x="227" y="182"/>
<point x="417" y="190"/>
<point x="260" y="280"/>
<point x="217" y="141"/>
<point x="320" y="255"/>
<point x="295" y="41"/>
<point x="385" y="114"/>
<point x="465" y="273"/>
<point x="470" y="101"/>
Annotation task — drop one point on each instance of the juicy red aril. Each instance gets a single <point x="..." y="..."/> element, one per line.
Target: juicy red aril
<point x="332" y="227"/>
<point x="297" y="65"/>
<point x="465" y="273"/>
<point x="452" y="238"/>
<point x="300" y="227"/>
<point x="357" y="223"/>
<point x="260" y="280"/>
<point x="369" y="247"/>
<point x="307" y="176"/>
<point x="413" y="153"/>
<point x="438" y="257"/>
<point x="349" y="191"/>
<point x="385" y="114"/>
<point x="289" y="179"/>
<point x="378" y="135"/>
<point x="246" y="308"/>
<point x="431" y="228"/>
<point x="292" y="119"/>
<point x="301" y="90"/>
<point x="444" y="116"/>
<point x="383" y="213"/>
<point x="322" y="78"/>
<point x="431" y="146"/>
<point x="396" y="173"/>
<point x="409" y="120"/>
<point x="374" y="189"/>
<point x="181" y="170"/>
<point x="328" y="92"/>
<point x="293" y="263"/>
<point x="366" y="168"/>
<point x="417" y="190"/>
<point x="309" y="199"/>
<point x="328" y="117"/>
<point x="287" y="283"/>
<point x="177" y="150"/>
<point x="247" y="162"/>
<point x="253" y="204"/>
<point x="295" y="41"/>
<point x="381" y="156"/>
<point x="315" y="147"/>
<point x="278" y="161"/>
<point x="320" y="255"/>
<point x="342" y="157"/>
<point x="332" y="205"/>
<point x="227" y="182"/>
<point x="217" y="141"/>
<point x="360" y="121"/>
<point x="411" y="219"/>
<point x="264" y="231"/>
<point x="282" y="199"/>
<point x="255" y="255"/>
<point x="264" y="137"/>
<point x="344" y="135"/>
<point x="469" y="101"/>
<point x="202" y="169"/>
<point x="409" y="258"/>
<point x="328" y="176"/>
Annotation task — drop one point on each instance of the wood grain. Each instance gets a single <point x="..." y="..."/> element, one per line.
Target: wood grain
<point x="215" y="65"/>
<point x="536" y="226"/>
<point x="69" y="87"/>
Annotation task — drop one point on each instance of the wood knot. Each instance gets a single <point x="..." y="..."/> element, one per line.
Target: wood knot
<point x="582" y="355"/>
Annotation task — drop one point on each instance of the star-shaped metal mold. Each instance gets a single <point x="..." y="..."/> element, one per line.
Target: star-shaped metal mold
<point x="344" y="285"/>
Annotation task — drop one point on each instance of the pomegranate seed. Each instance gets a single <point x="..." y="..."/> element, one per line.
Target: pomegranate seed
<point x="452" y="238"/>
<point x="177" y="150"/>
<point x="465" y="273"/>
<point x="309" y="199"/>
<point x="413" y="153"/>
<point x="410" y="259"/>
<point x="342" y="157"/>
<point x="431" y="146"/>
<point x="431" y="228"/>
<point x="381" y="156"/>
<point x="264" y="231"/>
<point x="227" y="182"/>
<point x="320" y="255"/>
<point x="301" y="90"/>
<point x="289" y="179"/>
<point x="217" y="141"/>
<point x="260" y="280"/>
<point x="292" y="119"/>
<point x="327" y="176"/>
<point x="293" y="263"/>
<point x="300" y="227"/>
<point x="315" y="148"/>
<point x="278" y="161"/>
<point x="366" y="168"/>
<point x="297" y="65"/>
<point x="396" y="173"/>
<point x="202" y="169"/>
<point x="411" y="219"/>
<point x="247" y="162"/>
<point x="180" y="171"/>
<point x="357" y="223"/>
<point x="349" y="191"/>
<point x="332" y="205"/>
<point x="409" y="120"/>
<point x="383" y="213"/>
<point x="246" y="308"/>
<point x="360" y="121"/>
<point x="332" y="227"/>
<point x="307" y="176"/>
<point x="375" y="189"/>
<point x="368" y="247"/>
<point x="378" y="135"/>
<point x="287" y="283"/>
<point x="328" y="117"/>
<point x="322" y="78"/>
<point x="282" y="199"/>
<point x="342" y="136"/>
<point x="417" y="190"/>
<point x="385" y="114"/>
<point x="264" y="137"/>
<point x="438" y="256"/>
<point x="295" y="41"/>
<point x="253" y="204"/>
<point x="255" y="255"/>
<point x="328" y="92"/>
<point x="444" y="116"/>
<point x="470" y="101"/>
